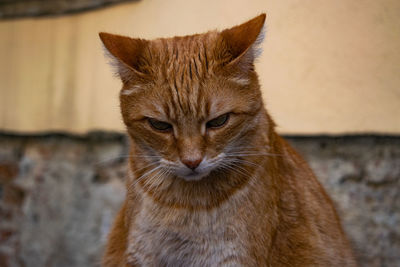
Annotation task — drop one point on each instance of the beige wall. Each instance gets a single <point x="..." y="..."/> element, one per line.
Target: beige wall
<point x="327" y="67"/>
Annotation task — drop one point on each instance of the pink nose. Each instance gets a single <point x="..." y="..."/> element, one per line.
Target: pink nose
<point x="192" y="163"/>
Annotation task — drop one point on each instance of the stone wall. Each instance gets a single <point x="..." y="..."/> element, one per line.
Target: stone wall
<point x="59" y="194"/>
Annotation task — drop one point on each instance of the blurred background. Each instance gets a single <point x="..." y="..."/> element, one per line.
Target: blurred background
<point x="330" y="75"/>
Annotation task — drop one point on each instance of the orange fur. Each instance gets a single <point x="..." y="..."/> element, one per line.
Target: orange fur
<point x="253" y="202"/>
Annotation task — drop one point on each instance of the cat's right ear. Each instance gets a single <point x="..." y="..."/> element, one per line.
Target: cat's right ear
<point x="125" y="54"/>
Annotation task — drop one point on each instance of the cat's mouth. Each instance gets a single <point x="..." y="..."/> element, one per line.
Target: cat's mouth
<point x="194" y="175"/>
<point x="183" y="172"/>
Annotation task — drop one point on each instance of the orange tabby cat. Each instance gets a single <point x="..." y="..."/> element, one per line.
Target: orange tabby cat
<point x="211" y="183"/>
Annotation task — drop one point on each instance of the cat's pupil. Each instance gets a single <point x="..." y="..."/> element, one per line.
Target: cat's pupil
<point x="159" y="125"/>
<point x="218" y="122"/>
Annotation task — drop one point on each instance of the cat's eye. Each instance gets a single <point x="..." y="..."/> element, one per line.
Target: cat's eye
<point x="159" y="125"/>
<point x="218" y="122"/>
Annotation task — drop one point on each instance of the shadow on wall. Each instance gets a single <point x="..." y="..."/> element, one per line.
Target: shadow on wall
<point x="33" y="8"/>
<point x="59" y="195"/>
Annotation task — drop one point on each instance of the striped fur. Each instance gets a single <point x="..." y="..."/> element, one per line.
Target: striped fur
<point x="255" y="202"/>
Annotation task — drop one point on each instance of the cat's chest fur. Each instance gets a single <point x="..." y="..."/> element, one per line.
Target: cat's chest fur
<point x="198" y="238"/>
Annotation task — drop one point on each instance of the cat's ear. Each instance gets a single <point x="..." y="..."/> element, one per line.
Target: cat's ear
<point x="243" y="41"/>
<point x="125" y="54"/>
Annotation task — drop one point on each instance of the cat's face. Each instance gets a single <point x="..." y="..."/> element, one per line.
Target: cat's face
<point x="191" y="103"/>
<point x="195" y="128"/>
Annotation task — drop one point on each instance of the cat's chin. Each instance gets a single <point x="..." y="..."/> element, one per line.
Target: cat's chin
<point x="194" y="176"/>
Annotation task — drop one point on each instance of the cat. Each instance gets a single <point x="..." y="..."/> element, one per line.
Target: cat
<point x="210" y="181"/>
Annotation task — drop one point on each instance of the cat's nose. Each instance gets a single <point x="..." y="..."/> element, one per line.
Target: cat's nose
<point x="192" y="163"/>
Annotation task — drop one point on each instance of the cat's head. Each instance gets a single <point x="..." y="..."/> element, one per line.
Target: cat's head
<point x="190" y="104"/>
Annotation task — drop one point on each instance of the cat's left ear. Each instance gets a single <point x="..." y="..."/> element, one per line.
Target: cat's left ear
<point x="243" y="41"/>
<point x="125" y="54"/>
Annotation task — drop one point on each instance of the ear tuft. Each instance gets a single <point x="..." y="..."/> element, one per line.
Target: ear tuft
<point x="243" y="41"/>
<point x="125" y="54"/>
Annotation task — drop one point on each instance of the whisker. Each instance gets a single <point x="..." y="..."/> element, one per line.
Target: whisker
<point x="246" y="154"/>
<point x="228" y="165"/>
<point x="230" y="168"/>
<point x="125" y="157"/>
<point x="144" y="175"/>
<point x="149" y="181"/>
<point x="147" y="166"/>
<point x="252" y="154"/>
<point x="245" y="161"/>
<point x="163" y="173"/>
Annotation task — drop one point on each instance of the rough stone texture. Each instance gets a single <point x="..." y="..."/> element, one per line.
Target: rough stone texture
<point x="24" y="8"/>
<point x="59" y="194"/>
<point x="58" y="198"/>
<point x="362" y="175"/>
